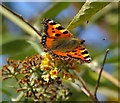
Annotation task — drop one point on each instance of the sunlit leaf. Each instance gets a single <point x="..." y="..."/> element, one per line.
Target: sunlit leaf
<point x="88" y="10"/>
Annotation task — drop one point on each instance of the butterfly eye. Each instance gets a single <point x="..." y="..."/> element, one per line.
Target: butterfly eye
<point x="82" y="41"/>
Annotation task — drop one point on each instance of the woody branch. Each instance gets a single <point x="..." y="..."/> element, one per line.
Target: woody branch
<point x="93" y="96"/>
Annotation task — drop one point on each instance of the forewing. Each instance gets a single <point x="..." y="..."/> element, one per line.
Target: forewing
<point x="53" y="29"/>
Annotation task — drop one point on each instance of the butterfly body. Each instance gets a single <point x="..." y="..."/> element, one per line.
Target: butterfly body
<point x="65" y="44"/>
<point x="61" y="43"/>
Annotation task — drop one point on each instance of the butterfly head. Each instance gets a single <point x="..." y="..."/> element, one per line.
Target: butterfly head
<point x="45" y="21"/>
<point x="82" y="41"/>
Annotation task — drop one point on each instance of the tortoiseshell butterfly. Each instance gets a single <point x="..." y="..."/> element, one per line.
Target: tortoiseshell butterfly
<point x="61" y="43"/>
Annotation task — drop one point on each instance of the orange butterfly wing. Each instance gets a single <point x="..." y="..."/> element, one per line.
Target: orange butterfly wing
<point x="59" y="54"/>
<point x="52" y="31"/>
<point x="80" y="53"/>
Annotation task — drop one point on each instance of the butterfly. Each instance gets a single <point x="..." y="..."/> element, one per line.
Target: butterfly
<point x="61" y="43"/>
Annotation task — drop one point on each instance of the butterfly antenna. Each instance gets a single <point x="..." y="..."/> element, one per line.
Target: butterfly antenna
<point x="44" y="19"/>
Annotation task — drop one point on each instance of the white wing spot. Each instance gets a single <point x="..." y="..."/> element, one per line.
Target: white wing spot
<point x="51" y="21"/>
<point x="88" y="59"/>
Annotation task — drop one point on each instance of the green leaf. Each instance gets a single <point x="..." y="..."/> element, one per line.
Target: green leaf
<point x="18" y="98"/>
<point x="7" y="91"/>
<point x="35" y="46"/>
<point x="29" y="51"/>
<point x="19" y="49"/>
<point x="88" y="10"/>
<point x="14" y="47"/>
<point x="52" y="11"/>
<point x="6" y="95"/>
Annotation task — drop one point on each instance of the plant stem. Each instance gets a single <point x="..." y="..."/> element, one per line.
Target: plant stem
<point x="32" y="90"/>
<point x="20" y="21"/>
<point x="100" y="73"/>
<point x="109" y="77"/>
<point x="86" y="88"/>
<point x="17" y="81"/>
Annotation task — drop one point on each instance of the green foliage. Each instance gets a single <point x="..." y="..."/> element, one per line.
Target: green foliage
<point x="18" y="49"/>
<point x="36" y="46"/>
<point x="14" y="47"/>
<point x="88" y="9"/>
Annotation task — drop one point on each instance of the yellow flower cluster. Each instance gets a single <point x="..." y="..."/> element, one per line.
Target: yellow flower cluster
<point x="48" y="65"/>
<point x="58" y="67"/>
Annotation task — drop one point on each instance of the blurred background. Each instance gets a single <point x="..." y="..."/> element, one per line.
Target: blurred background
<point x="99" y="33"/>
